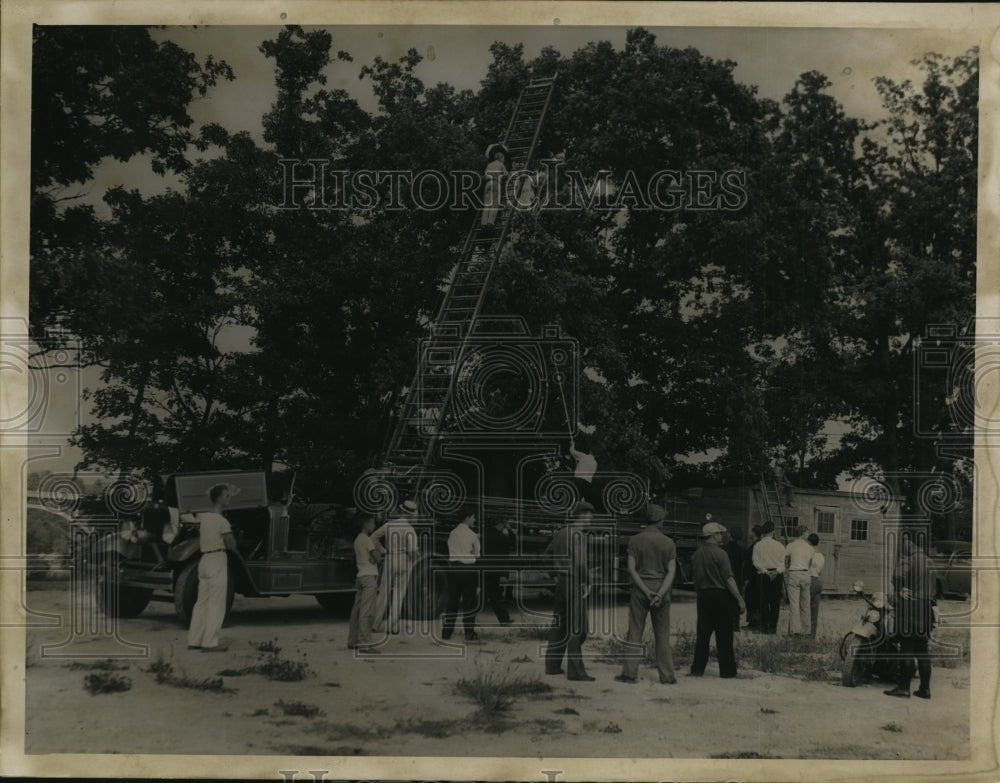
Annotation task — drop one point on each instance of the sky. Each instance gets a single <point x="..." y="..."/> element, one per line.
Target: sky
<point x="769" y="58"/>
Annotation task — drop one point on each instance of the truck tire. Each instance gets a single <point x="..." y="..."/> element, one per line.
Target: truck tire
<point x="186" y="592"/>
<point x="850" y="674"/>
<point x="114" y="599"/>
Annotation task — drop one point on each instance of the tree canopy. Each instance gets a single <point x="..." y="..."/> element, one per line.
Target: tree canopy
<point x="781" y="324"/>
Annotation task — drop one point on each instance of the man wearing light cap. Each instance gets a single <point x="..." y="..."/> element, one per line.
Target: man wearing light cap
<point x="717" y="591"/>
<point x="652" y="562"/>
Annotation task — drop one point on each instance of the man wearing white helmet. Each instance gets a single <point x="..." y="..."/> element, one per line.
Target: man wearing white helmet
<point x="717" y="591"/>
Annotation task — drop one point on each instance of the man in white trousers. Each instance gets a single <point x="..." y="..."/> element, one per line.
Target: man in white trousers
<point x="400" y="542"/>
<point x="798" y="556"/>
<point x="215" y="537"/>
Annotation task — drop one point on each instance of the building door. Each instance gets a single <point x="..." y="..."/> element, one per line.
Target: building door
<point x="826" y="523"/>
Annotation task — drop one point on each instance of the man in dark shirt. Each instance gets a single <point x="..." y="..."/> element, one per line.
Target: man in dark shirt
<point x="569" y="612"/>
<point x="652" y="562"/>
<point x="713" y="579"/>
<point x="734" y="549"/>
<point x="498" y="545"/>
<point x="914" y="616"/>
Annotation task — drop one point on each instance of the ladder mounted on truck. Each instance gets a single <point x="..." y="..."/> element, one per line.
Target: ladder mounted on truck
<point x="424" y="412"/>
<point x="772" y="505"/>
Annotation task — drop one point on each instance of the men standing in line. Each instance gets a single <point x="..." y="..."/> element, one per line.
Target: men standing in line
<point x="751" y="584"/>
<point x="769" y="564"/>
<point x="652" y="563"/>
<point x="463" y="580"/>
<point x="914" y="617"/>
<point x="737" y="557"/>
<point x="498" y="545"/>
<point x="401" y="554"/>
<point x="214" y="538"/>
<point x="816" y="563"/>
<point x="368" y="555"/>
<point x="569" y="612"/>
<point x="717" y="590"/>
<point x="798" y="553"/>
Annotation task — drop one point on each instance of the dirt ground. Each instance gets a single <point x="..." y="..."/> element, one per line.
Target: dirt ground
<point x="405" y="702"/>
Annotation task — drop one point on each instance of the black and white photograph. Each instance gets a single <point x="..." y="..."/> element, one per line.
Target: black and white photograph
<point x="499" y="391"/>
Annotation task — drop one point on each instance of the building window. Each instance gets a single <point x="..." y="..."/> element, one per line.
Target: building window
<point x="859" y="530"/>
<point x="825" y="522"/>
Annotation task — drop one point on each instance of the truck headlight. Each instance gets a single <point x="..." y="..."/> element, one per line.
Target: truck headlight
<point x="873" y="616"/>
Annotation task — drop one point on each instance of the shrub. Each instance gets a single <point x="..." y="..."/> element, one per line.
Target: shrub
<point x="106" y="683"/>
<point x="495" y="689"/>
<point x="299" y="709"/>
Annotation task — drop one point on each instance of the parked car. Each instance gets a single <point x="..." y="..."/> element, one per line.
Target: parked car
<point x="951" y="568"/>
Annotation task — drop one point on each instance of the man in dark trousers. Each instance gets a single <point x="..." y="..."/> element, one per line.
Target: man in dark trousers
<point x="914" y="617"/>
<point x="717" y="590"/>
<point x="569" y="612"/>
<point x="737" y="556"/>
<point x="498" y="546"/>
<point x="769" y="565"/>
<point x="463" y="580"/>
<point x="751" y="584"/>
<point x="652" y="563"/>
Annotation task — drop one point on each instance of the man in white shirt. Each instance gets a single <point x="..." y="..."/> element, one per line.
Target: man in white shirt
<point x="401" y="554"/>
<point x="463" y="550"/>
<point x="769" y="563"/>
<point x="214" y="538"/>
<point x="368" y="555"/>
<point x="798" y="554"/>
<point x="583" y="474"/>
<point x="816" y="564"/>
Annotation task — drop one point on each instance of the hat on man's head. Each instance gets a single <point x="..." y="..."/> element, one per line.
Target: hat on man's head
<point x="408" y="507"/>
<point x="494" y="148"/>
<point x="711" y="528"/>
<point x="655" y="513"/>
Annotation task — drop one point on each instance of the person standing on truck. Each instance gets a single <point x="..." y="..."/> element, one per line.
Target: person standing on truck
<point x="368" y="555"/>
<point x="214" y="538"/>
<point x="769" y="564"/>
<point x="401" y="554"/>
<point x="717" y="592"/>
<point x="569" y="612"/>
<point x="652" y="564"/>
<point x="583" y="473"/>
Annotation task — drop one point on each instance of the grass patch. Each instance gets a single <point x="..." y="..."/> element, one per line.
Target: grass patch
<point x="768" y="711"/>
<point x="98" y="666"/>
<point x="299" y="709"/>
<point x="532" y="631"/>
<point x="792" y="656"/>
<point x="494" y="689"/>
<point x="341" y="731"/>
<point x="521" y="659"/>
<point x="163" y="671"/>
<point x="893" y="727"/>
<point x="548" y="725"/>
<point x="270" y="664"/>
<point x="612" y="728"/>
<point x="437" y="729"/>
<point x="258" y="713"/>
<point x="106" y="682"/>
<point x="566" y="711"/>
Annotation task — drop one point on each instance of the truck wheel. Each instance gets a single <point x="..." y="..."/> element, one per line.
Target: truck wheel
<point x="186" y="592"/>
<point x="850" y="674"/>
<point x="114" y="599"/>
